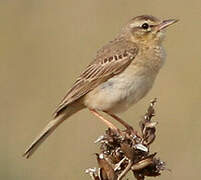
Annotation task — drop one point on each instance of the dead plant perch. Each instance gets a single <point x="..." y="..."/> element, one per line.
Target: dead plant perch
<point x="122" y="151"/>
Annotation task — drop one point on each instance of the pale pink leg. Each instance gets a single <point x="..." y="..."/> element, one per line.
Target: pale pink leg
<point x="125" y="124"/>
<point x="109" y="124"/>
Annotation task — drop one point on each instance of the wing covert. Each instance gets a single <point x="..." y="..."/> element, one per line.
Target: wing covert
<point x="110" y="60"/>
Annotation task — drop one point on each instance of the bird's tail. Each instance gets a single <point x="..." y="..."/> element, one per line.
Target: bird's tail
<point x="49" y="129"/>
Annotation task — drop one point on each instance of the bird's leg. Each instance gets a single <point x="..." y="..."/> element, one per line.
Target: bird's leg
<point x="125" y="124"/>
<point x="109" y="124"/>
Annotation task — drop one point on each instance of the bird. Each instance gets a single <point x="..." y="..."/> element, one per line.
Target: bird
<point x="122" y="73"/>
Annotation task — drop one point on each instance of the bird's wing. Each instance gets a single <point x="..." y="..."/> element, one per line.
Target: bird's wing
<point x="110" y="60"/>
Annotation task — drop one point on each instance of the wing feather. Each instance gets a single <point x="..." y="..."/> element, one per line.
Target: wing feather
<point x="110" y="60"/>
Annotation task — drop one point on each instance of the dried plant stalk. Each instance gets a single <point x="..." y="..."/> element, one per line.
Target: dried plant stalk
<point x="128" y="150"/>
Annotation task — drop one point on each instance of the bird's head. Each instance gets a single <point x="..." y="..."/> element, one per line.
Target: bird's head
<point x="147" y="29"/>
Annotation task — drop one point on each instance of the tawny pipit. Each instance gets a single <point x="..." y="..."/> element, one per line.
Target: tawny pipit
<point x="121" y="74"/>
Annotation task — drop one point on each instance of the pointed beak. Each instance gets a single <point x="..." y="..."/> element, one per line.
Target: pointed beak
<point x="166" y="23"/>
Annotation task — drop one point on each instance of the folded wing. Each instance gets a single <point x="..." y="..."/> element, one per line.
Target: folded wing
<point x="110" y="60"/>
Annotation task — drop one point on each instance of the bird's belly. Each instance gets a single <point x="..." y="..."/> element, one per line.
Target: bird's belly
<point x="119" y="93"/>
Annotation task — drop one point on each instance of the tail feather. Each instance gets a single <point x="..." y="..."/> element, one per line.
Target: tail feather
<point x="49" y="129"/>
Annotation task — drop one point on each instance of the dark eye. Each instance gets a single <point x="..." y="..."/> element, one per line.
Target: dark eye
<point x="145" y="26"/>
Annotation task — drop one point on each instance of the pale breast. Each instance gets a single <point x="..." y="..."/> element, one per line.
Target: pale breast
<point x="121" y="91"/>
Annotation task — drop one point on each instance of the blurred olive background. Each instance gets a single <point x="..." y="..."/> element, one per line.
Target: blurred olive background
<point x="43" y="47"/>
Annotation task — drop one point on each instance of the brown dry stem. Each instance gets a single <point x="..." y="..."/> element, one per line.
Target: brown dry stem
<point x="123" y="151"/>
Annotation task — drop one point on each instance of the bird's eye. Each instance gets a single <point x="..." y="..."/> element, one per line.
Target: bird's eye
<point x="145" y="26"/>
